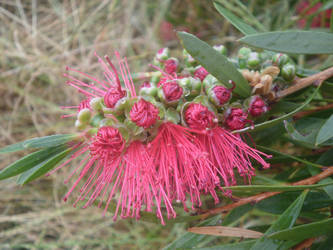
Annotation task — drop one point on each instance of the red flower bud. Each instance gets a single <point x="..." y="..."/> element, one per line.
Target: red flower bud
<point x="236" y="119"/>
<point x="85" y="104"/>
<point x="113" y="96"/>
<point x="197" y="116"/>
<point x="221" y="94"/>
<point x="201" y="73"/>
<point x="162" y="81"/>
<point x="145" y="84"/>
<point x="144" y="114"/>
<point x="257" y="106"/>
<point x="172" y="91"/>
<point x="170" y="66"/>
<point x="108" y="143"/>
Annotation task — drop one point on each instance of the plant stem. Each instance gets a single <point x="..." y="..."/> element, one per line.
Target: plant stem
<point x="301" y="83"/>
<point x="259" y="197"/>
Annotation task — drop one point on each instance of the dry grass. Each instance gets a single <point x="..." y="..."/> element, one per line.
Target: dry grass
<point x="37" y="40"/>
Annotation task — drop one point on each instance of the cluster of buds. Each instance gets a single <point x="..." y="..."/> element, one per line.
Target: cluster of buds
<point x="169" y="140"/>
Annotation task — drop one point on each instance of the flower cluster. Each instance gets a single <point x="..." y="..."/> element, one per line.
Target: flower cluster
<point x="169" y="141"/>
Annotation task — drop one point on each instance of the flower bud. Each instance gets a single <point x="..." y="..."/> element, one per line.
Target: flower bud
<point x="288" y="71"/>
<point x="112" y="96"/>
<point x="257" y="106"/>
<point x="172" y="115"/>
<point x="96" y="120"/>
<point x="189" y="60"/>
<point x="148" y="88"/>
<point x="79" y="125"/>
<point x="219" y="95"/>
<point x="236" y="118"/>
<point x="144" y="114"/>
<point x="96" y="104"/>
<point x="84" y="116"/>
<point x="171" y="65"/>
<point x="244" y="52"/>
<point x="163" y="54"/>
<point x="200" y="73"/>
<point x="198" y="116"/>
<point x="280" y="59"/>
<point x="221" y="49"/>
<point x="253" y="61"/>
<point x="170" y="92"/>
<point x="209" y="81"/>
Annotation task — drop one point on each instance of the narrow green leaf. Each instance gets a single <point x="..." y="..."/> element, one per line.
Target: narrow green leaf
<point x="289" y="156"/>
<point x="326" y="131"/>
<point x="286" y="220"/>
<point x="293" y="42"/>
<point x="234" y="20"/>
<point x="189" y="240"/>
<point x="305" y="231"/>
<point x="39" y="142"/>
<point x="30" y="161"/>
<point x="215" y="63"/>
<point x="42" y="168"/>
<point x="276" y="188"/>
<point x="245" y="245"/>
<point x="270" y="123"/>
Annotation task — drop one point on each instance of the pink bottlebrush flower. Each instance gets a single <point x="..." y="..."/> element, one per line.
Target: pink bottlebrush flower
<point x="144" y="114"/>
<point x="172" y="91"/>
<point x="257" y="106"/>
<point x="201" y="73"/>
<point x="170" y="66"/>
<point x="236" y="118"/>
<point x="183" y="168"/>
<point x="198" y="116"/>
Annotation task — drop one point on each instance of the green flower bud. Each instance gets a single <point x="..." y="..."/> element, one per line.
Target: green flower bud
<point x="242" y="63"/>
<point x="253" y="60"/>
<point x="79" y="125"/>
<point x="288" y="71"/>
<point x="148" y="88"/>
<point x="209" y="81"/>
<point x="84" y="116"/>
<point x="280" y="59"/>
<point x="172" y="115"/>
<point x="221" y="49"/>
<point x="96" y="120"/>
<point x="244" y="52"/>
<point x="96" y="104"/>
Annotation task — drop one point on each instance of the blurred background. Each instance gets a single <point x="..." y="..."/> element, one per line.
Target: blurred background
<point x="37" y="40"/>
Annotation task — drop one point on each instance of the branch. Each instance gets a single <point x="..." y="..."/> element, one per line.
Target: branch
<point x="301" y="83"/>
<point x="259" y="197"/>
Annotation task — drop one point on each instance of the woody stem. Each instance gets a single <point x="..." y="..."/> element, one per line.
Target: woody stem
<point x="301" y="83"/>
<point x="262" y="196"/>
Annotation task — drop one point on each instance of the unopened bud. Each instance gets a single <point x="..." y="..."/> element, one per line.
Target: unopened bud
<point x="200" y="73"/>
<point x="257" y="106"/>
<point x="171" y="65"/>
<point x="219" y="95"/>
<point x="96" y="104"/>
<point x="84" y="116"/>
<point x="236" y="118"/>
<point x="253" y="60"/>
<point x="209" y="81"/>
<point x="148" y="89"/>
<point x="288" y="71"/>
<point x="280" y="59"/>
<point x="244" y="52"/>
<point x="79" y="125"/>
<point x="221" y="49"/>
<point x="163" y="54"/>
<point x="170" y="92"/>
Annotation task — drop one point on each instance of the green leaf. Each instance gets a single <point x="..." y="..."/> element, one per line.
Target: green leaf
<point x="234" y="20"/>
<point x="244" y="245"/>
<point x="289" y="156"/>
<point x="275" y="188"/>
<point x="30" y="161"/>
<point x="39" y="142"/>
<point x="286" y="220"/>
<point x="189" y="240"/>
<point x="306" y="231"/>
<point x="326" y="131"/>
<point x="215" y="63"/>
<point x="293" y="42"/>
<point x="271" y="123"/>
<point x="42" y="168"/>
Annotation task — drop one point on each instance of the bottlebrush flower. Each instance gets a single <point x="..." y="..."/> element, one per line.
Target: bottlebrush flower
<point x="159" y="161"/>
<point x="322" y="19"/>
